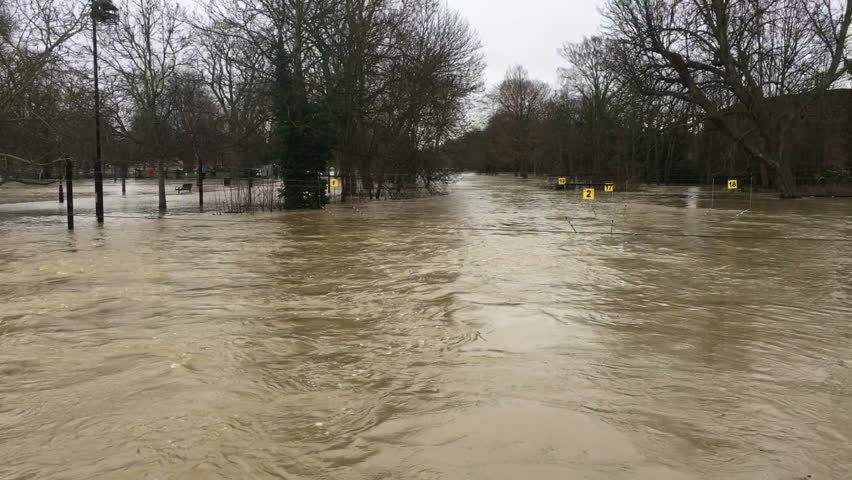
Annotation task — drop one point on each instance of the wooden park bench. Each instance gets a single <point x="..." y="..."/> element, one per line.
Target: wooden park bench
<point x="186" y="187"/>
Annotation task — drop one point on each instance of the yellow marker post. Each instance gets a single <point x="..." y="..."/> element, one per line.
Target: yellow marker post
<point x="562" y="180"/>
<point x="333" y="183"/>
<point x="588" y="194"/>
<point x="609" y="187"/>
<point x="732" y="184"/>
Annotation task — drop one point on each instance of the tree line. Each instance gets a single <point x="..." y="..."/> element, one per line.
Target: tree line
<point x="371" y="88"/>
<point x="683" y="91"/>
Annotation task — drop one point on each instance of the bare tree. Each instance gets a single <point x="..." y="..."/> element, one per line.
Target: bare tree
<point x="433" y="69"/>
<point x="356" y="50"/>
<point x="234" y="71"/>
<point x="734" y="59"/>
<point x="36" y="76"/>
<point x="144" y="56"/>
<point x="519" y="103"/>
<point x="198" y="124"/>
<point x="592" y="76"/>
<point x="393" y="76"/>
<point x="32" y="35"/>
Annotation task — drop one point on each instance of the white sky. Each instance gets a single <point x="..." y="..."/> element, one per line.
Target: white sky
<point x="528" y="32"/>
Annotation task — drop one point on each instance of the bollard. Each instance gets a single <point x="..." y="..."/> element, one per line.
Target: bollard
<point x="200" y="185"/>
<point x="69" y="188"/>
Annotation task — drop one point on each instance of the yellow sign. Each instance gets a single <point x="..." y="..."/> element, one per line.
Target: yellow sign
<point x="333" y="183"/>
<point x="588" y="194"/>
<point x="609" y="187"/>
<point x="732" y="184"/>
<point x="562" y="181"/>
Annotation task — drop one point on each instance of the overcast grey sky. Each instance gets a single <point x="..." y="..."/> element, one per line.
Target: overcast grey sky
<point x="528" y="32"/>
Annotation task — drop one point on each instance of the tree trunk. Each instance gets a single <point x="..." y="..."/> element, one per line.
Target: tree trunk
<point x="161" y="177"/>
<point x="786" y="180"/>
<point x="347" y="180"/>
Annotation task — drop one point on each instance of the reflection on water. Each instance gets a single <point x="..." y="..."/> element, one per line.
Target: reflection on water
<point x="692" y="196"/>
<point x="366" y="342"/>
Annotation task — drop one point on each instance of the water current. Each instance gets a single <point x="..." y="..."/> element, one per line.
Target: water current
<point x="468" y="336"/>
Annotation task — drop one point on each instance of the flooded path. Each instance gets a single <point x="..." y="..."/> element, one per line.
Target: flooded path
<point x="467" y="336"/>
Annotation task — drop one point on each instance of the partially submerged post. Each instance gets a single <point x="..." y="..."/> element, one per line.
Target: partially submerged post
<point x="200" y="185"/>
<point x="250" y="185"/>
<point x="713" y="193"/>
<point x="69" y="171"/>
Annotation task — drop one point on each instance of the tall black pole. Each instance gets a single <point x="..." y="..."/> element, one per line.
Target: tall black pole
<point x="69" y="192"/>
<point x="200" y="185"/>
<point x="99" y="175"/>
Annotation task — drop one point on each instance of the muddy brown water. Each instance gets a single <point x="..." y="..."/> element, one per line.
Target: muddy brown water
<point x="470" y="336"/>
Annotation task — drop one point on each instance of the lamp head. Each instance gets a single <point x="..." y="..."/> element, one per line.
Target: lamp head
<point x="104" y="11"/>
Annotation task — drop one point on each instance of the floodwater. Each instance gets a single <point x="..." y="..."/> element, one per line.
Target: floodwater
<point x="469" y="336"/>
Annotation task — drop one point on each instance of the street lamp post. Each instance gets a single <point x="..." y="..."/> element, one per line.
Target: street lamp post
<point x="102" y="11"/>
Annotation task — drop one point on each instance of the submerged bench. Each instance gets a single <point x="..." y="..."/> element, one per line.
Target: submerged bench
<point x="186" y="187"/>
